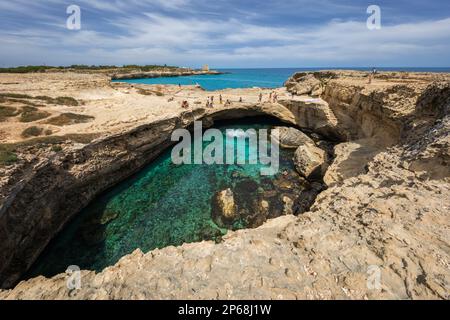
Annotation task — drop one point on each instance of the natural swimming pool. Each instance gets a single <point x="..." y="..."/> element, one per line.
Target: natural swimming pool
<point x="167" y="204"/>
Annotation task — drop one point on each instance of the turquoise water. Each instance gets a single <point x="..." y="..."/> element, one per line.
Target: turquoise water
<point x="167" y="204"/>
<point x="248" y="78"/>
<point x="233" y="78"/>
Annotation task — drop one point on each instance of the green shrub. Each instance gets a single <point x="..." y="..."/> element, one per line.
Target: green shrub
<point x="7" y="112"/>
<point x="32" y="132"/>
<point x="32" y="69"/>
<point x="66" y="101"/>
<point x="7" y="158"/>
<point x="144" y="92"/>
<point x="147" y="92"/>
<point x="30" y="114"/>
<point x="57" y="148"/>
<point x="15" y="95"/>
<point x="66" y="119"/>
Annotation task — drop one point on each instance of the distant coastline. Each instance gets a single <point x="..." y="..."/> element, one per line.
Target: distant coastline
<point x="249" y="77"/>
<point x="162" y="74"/>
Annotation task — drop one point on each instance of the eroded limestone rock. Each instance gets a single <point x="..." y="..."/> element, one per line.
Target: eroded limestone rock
<point x="305" y="85"/>
<point x="309" y="161"/>
<point x="292" y="138"/>
<point x="393" y="217"/>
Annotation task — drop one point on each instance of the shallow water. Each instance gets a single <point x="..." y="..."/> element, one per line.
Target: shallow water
<point x="163" y="205"/>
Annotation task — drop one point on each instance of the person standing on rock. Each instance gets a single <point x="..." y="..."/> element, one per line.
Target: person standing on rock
<point x="260" y="97"/>
<point x="220" y="99"/>
<point x="270" y="96"/>
<point x="372" y="75"/>
<point x="275" y="98"/>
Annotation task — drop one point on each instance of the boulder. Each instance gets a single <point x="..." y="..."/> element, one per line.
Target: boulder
<point x="288" y="205"/>
<point x="305" y="85"/>
<point x="292" y="138"/>
<point x="309" y="161"/>
<point x="306" y="198"/>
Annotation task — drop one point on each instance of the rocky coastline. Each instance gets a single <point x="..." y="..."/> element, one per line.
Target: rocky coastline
<point x="385" y="203"/>
<point x="160" y="74"/>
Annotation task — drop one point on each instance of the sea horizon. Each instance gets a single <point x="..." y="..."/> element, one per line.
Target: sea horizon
<point x="241" y="78"/>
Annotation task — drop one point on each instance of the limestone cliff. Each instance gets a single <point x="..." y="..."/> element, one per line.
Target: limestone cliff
<point x="385" y="213"/>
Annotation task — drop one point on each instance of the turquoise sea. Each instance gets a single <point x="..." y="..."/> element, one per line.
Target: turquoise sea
<point x="248" y="78"/>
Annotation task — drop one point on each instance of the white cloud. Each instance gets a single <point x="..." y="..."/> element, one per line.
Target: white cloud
<point x="151" y="37"/>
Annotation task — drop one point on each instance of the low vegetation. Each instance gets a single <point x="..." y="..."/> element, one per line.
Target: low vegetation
<point x="7" y="157"/>
<point x="42" y="69"/>
<point x="17" y="97"/>
<point x="32" y="132"/>
<point x="7" y="112"/>
<point x="31" y="114"/>
<point x="64" y="101"/>
<point x="66" y="119"/>
<point x="147" y="92"/>
<point x="147" y="68"/>
<point x="83" y="138"/>
<point x="57" y="148"/>
<point x="8" y="151"/>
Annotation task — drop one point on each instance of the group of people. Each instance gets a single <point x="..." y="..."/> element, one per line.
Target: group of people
<point x="210" y="102"/>
<point x="273" y="97"/>
<point x="372" y="75"/>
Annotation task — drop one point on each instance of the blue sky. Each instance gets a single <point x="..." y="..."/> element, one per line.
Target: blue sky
<point x="227" y="33"/>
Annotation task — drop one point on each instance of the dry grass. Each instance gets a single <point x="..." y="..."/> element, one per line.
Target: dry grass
<point x="8" y="151"/>
<point x="7" y="158"/>
<point x="15" y="96"/>
<point x="31" y="114"/>
<point x="67" y="119"/>
<point x="147" y="92"/>
<point x="83" y="138"/>
<point x="7" y="112"/>
<point x="32" y="132"/>
<point x="23" y="98"/>
<point x="64" y="101"/>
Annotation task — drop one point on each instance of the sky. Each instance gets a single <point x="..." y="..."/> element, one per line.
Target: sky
<point x="226" y="33"/>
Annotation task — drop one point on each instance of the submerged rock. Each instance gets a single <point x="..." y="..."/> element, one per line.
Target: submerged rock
<point x="288" y="205"/>
<point x="108" y="216"/>
<point x="224" y="208"/>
